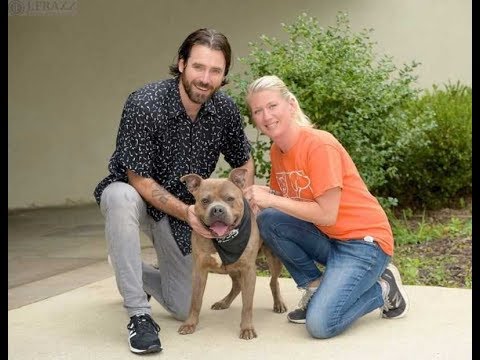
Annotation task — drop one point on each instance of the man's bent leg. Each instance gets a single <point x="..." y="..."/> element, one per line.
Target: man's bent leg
<point x="124" y="210"/>
<point x="171" y="284"/>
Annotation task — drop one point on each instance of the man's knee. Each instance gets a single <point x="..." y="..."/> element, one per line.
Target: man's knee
<point x="181" y="314"/>
<point x="180" y="307"/>
<point x="120" y="195"/>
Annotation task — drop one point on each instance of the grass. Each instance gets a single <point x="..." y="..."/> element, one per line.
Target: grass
<point x="436" y="252"/>
<point x="409" y="231"/>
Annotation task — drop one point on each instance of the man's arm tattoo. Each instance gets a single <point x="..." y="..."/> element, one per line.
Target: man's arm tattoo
<point x="160" y="194"/>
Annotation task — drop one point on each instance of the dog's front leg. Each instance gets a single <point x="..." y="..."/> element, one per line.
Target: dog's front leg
<point x="227" y="300"/>
<point x="198" y="288"/>
<point x="249" y="277"/>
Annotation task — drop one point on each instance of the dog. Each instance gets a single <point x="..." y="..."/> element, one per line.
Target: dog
<point x="221" y="206"/>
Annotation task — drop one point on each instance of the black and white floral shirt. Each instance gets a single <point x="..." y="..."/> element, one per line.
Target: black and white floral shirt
<point x="157" y="139"/>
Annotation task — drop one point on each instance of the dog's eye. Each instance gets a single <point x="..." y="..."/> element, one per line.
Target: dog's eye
<point x="205" y="201"/>
<point x="230" y="199"/>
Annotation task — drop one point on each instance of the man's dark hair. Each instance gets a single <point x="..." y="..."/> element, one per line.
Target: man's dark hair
<point x="206" y="37"/>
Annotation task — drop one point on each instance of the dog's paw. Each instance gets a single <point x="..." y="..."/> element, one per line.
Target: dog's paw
<point x="220" y="305"/>
<point x="279" y="307"/>
<point x="248" y="334"/>
<point x="186" y="329"/>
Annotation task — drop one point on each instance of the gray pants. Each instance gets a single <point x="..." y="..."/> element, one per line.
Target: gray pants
<point x="125" y="215"/>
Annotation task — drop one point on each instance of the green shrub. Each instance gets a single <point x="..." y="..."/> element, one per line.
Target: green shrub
<point x="345" y="88"/>
<point x="438" y="175"/>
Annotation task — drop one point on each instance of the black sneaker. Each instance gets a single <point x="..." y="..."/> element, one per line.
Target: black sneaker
<point x="299" y="315"/>
<point x="396" y="303"/>
<point x="143" y="334"/>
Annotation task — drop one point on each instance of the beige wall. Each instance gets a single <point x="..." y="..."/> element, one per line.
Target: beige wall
<point x="68" y="76"/>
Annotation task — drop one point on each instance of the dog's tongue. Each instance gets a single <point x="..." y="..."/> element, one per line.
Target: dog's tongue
<point x="219" y="228"/>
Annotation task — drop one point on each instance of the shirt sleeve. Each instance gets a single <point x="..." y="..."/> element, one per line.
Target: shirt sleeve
<point x="325" y="169"/>
<point x="134" y="146"/>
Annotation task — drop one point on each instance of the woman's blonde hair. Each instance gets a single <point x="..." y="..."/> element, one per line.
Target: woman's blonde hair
<point x="274" y="83"/>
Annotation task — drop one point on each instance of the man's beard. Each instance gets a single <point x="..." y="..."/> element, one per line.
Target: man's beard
<point x="197" y="98"/>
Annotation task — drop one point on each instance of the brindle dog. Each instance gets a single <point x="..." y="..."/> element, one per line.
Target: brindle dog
<point x="220" y="205"/>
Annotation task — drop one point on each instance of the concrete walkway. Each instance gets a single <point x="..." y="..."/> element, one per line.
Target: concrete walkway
<point x="75" y="311"/>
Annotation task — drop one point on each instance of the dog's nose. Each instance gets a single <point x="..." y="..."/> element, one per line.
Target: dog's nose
<point x="217" y="211"/>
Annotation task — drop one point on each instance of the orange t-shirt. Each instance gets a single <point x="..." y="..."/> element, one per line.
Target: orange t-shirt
<point x="318" y="162"/>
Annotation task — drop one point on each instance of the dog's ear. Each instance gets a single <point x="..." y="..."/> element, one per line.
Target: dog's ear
<point x="192" y="181"/>
<point x="237" y="176"/>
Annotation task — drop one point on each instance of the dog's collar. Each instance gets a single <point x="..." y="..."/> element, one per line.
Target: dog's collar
<point x="231" y="247"/>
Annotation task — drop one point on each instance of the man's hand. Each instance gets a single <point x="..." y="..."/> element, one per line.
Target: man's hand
<point x="196" y="224"/>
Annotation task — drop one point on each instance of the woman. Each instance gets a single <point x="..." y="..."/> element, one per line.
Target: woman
<point x="318" y="210"/>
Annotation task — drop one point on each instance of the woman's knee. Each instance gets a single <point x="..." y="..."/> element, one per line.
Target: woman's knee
<point x="270" y="221"/>
<point x="324" y="320"/>
<point x="266" y="221"/>
<point x="268" y="218"/>
<point x="318" y="329"/>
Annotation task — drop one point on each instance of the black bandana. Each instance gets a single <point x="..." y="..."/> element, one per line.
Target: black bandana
<point x="231" y="247"/>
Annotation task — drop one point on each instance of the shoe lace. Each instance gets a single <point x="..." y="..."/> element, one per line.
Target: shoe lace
<point x="144" y="323"/>
<point x="305" y="299"/>
<point x="387" y="304"/>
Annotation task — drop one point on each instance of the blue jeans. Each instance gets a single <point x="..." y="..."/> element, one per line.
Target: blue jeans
<point x="349" y="288"/>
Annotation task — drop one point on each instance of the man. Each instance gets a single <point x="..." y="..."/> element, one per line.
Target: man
<point x="168" y="129"/>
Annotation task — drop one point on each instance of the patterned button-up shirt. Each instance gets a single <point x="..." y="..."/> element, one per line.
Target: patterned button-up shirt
<point x="156" y="139"/>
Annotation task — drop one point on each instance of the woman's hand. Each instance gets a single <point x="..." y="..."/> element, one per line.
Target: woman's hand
<point x="258" y="196"/>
